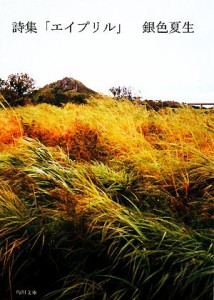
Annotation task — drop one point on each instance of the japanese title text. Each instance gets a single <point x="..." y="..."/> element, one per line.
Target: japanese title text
<point x="95" y="27"/>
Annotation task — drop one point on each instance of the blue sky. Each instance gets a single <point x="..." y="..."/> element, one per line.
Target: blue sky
<point x="177" y="66"/>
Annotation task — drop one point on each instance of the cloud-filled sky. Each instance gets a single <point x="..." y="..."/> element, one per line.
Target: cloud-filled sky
<point x="175" y="66"/>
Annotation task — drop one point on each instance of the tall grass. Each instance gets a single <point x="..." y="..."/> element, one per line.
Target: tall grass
<point x="146" y="256"/>
<point x="106" y="201"/>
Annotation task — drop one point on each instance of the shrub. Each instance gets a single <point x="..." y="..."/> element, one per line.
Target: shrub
<point x="77" y="98"/>
<point x="83" y="142"/>
<point x="158" y="104"/>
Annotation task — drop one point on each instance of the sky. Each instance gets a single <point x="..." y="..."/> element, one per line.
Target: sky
<point x="166" y="66"/>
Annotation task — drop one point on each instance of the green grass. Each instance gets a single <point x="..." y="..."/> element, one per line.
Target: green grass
<point x="106" y="201"/>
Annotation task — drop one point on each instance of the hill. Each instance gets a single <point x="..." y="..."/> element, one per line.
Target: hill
<point x="63" y="91"/>
<point x="70" y="84"/>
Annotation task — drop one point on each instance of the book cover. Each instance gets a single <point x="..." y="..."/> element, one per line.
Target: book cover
<point x="106" y="149"/>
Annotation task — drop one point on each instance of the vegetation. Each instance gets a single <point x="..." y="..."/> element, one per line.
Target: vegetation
<point x="158" y="104"/>
<point x="122" y="92"/>
<point x="107" y="200"/>
<point x="17" y="88"/>
<point x="63" y="91"/>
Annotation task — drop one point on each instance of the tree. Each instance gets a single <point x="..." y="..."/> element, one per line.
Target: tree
<point x="16" y="88"/>
<point x="122" y="92"/>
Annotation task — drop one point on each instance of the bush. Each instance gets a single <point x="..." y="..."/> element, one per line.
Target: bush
<point x="57" y="97"/>
<point x="77" y="98"/>
<point x="158" y="104"/>
<point x="82" y="142"/>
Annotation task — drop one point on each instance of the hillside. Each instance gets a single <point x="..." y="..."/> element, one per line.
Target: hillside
<point x="63" y="91"/>
<point x="106" y="200"/>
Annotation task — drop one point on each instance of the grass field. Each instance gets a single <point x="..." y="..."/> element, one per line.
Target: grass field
<point x="106" y="201"/>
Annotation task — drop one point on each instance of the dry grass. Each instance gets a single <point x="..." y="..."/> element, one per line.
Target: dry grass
<point x="112" y="200"/>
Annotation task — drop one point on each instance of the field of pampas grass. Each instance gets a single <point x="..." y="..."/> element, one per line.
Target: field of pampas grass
<point x="106" y="200"/>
